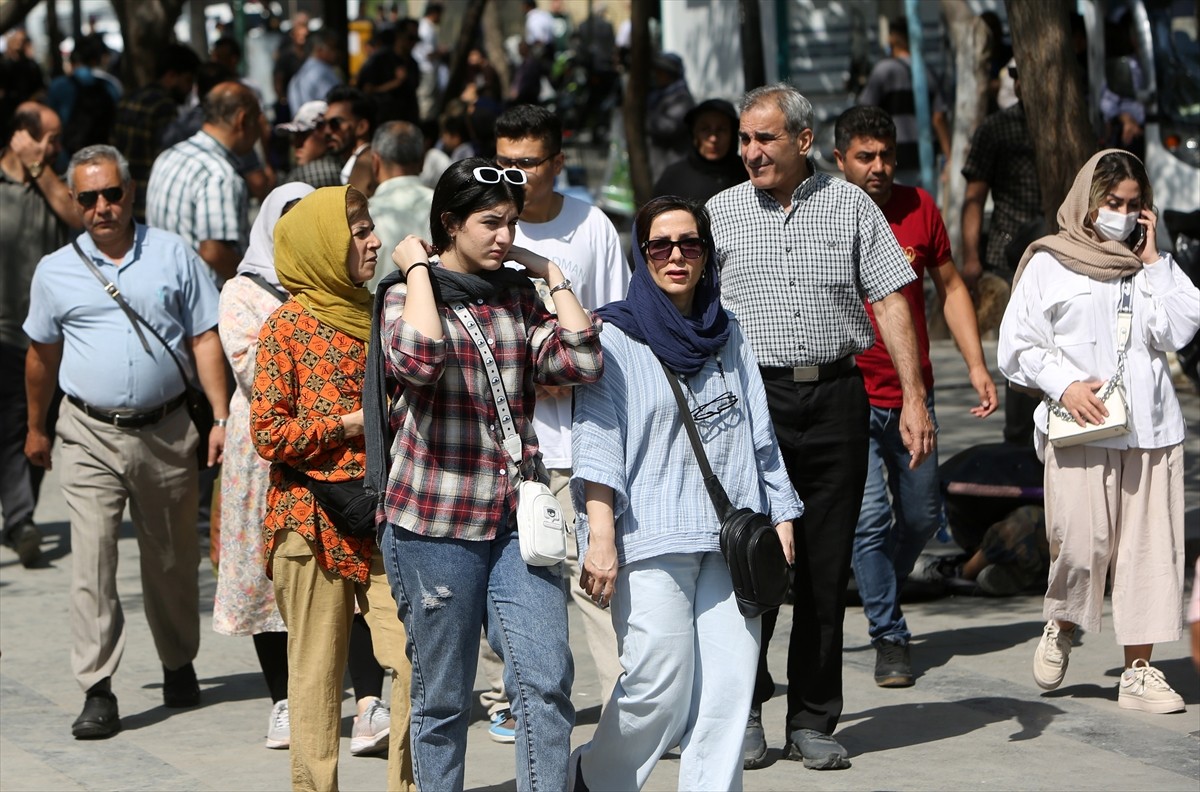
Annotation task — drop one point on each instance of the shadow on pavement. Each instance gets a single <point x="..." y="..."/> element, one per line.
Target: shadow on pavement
<point x="213" y="691"/>
<point x="903" y="725"/>
<point x="934" y="650"/>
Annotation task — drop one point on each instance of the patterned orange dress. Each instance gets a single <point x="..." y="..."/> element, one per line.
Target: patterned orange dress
<point x="306" y="374"/>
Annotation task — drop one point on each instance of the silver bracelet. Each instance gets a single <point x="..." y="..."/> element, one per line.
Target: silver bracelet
<point x="220" y="422"/>
<point x="566" y="284"/>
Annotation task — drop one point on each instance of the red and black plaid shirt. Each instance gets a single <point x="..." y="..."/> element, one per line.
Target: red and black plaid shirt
<point x="450" y="476"/>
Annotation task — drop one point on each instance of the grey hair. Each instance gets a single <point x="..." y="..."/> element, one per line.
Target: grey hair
<point x="98" y="153"/>
<point x="797" y="111"/>
<point x="399" y="143"/>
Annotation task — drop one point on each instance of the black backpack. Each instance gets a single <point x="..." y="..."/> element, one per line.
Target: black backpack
<point x="91" y="115"/>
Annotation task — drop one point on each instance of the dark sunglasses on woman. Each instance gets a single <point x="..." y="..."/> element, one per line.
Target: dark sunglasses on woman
<point x="660" y="249"/>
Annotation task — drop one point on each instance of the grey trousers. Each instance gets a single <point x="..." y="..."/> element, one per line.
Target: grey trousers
<point x="153" y="469"/>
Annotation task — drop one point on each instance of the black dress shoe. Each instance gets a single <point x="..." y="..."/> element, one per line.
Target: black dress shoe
<point x="99" y="718"/>
<point x="180" y="688"/>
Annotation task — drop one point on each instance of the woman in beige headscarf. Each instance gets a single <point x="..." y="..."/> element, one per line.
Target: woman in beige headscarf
<point x="1113" y="505"/>
<point x="307" y="419"/>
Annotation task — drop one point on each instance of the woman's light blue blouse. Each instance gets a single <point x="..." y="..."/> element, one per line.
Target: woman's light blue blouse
<point x="627" y="434"/>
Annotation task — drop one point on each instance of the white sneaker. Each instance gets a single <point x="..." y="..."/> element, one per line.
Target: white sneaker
<point x="371" y="729"/>
<point x="1051" y="656"/>
<point x="279" y="727"/>
<point x="1144" y="688"/>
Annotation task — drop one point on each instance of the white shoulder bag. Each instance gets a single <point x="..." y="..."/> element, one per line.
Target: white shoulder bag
<point x="1062" y="428"/>
<point x="540" y="525"/>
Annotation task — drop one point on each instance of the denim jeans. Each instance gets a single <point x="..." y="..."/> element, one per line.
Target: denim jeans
<point x="446" y="591"/>
<point x="891" y="535"/>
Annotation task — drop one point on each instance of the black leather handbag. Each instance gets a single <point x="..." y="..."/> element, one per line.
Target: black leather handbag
<point x="751" y="547"/>
<point x="349" y="505"/>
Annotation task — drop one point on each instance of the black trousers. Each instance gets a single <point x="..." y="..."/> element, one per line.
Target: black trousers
<point x="823" y="433"/>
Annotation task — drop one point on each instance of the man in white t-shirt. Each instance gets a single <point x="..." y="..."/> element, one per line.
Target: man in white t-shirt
<point x="583" y="242"/>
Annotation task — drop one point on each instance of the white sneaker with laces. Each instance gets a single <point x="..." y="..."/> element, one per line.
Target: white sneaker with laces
<point x="279" y="727"/>
<point x="371" y="729"/>
<point x="1144" y="688"/>
<point x="1051" y="656"/>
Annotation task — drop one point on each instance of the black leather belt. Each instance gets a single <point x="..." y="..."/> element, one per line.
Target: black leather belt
<point x="126" y="419"/>
<point x="825" y="371"/>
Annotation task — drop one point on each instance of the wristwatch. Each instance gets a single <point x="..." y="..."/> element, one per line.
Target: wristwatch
<point x="35" y="170"/>
<point x="566" y="284"/>
<point x="220" y="421"/>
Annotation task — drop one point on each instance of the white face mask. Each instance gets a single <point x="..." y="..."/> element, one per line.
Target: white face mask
<point x="1113" y="226"/>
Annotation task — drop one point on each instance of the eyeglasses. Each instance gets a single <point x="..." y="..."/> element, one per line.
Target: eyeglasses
<point x="524" y="163"/>
<point x="723" y="403"/>
<point x="486" y="175"/>
<point x="335" y="123"/>
<point x="660" y="249"/>
<point x="111" y="194"/>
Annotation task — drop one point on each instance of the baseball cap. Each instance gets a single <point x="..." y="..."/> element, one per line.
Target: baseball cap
<point x="306" y="119"/>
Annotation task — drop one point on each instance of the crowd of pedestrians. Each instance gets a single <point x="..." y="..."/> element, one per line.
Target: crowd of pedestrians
<point x="418" y="315"/>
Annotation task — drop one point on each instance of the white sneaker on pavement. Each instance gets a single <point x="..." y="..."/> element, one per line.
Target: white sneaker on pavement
<point x="1144" y="688"/>
<point x="1051" y="656"/>
<point x="279" y="727"/>
<point x="371" y="729"/>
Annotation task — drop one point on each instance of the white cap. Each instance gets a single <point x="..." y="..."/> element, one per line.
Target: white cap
<point x="306" y="119"/>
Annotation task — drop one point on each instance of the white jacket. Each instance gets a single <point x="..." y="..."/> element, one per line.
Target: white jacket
<point x="1060" y="327"/>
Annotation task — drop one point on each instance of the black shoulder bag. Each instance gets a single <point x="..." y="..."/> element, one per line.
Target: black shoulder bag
<point x="751" y="546"/>
<point x="198" y="407"/>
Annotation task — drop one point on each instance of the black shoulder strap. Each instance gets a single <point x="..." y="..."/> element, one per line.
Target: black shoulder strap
<point x="134" y="317"/>
<point x="267" y="286"/>
<point x="720" y="500"/>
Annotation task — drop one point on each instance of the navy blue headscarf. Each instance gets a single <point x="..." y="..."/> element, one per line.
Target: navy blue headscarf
<point x="684" y="343"/>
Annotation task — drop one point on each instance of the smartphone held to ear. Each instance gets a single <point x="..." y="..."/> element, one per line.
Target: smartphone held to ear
<point x="1138" y="238"/>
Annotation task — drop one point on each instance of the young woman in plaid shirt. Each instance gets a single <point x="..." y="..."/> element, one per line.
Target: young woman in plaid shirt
<point x="449" y="543"/>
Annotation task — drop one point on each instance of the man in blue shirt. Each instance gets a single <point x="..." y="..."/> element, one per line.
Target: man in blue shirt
<point x="126" y="435"/>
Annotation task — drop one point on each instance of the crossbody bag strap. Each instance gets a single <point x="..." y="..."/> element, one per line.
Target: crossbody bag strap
<point x="720" y="499"/>
<point x="133" y="316"/>
<point x="512" y="439"/>
<point x="267" y="286"/>
<point x="1124" y="329"/>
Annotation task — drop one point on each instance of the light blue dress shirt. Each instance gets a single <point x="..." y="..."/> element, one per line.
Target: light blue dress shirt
<point x="627" y="434"/>
<point x="104" y="363"/>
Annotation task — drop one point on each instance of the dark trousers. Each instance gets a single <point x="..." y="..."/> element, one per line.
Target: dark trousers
<point x="823" y="433"/>
<point x="20" y="481"/>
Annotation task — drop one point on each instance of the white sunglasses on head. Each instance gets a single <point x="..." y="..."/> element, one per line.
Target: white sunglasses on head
<point x="489" y="175"/>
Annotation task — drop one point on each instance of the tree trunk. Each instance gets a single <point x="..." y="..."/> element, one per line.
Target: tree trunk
<point x="53" y="40"/>
<point x="634" y="112"/>
<point x="458" y="63"/>
<point x="1051" y="86"/>
<point x="493" y="46"/>
<point x="146" y="25"/>
<point x="972" y="45"/>
<point x="754" y="69"/>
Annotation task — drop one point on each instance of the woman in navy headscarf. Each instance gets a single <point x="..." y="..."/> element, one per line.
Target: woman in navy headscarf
<point x="648" y="534"/>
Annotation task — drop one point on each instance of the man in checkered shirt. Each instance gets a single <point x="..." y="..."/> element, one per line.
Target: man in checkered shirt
<point x="799" y="251"/>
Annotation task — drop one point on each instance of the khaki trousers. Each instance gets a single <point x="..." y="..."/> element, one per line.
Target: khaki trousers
<point x="1120" y="513"/>
<point x="597" y="621"/>
<point x="153" y="469"/>
<point x="317" y="607"/>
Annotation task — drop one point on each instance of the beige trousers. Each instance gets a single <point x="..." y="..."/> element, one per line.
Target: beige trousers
<point x="317" y="607"/>
<point x="597" y="622"/>
<point x="153" y="469"/>
<point x="1118" y="513"/>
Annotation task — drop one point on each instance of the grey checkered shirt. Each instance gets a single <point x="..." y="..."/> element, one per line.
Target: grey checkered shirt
<point x="195" y="191"/>
<point x="796" y="279"/>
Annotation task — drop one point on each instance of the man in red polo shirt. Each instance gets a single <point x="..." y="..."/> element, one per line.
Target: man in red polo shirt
<point x="891" y="535"/>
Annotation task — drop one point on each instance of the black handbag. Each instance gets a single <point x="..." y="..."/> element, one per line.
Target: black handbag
<point x="349" y="505"/>
<point x="751" y="547"/>
<point x="198" y="407"/>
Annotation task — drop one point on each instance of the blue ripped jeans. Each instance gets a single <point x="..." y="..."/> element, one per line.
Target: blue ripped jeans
<point x="891" y="534"/>
<point x="446" y="590"/>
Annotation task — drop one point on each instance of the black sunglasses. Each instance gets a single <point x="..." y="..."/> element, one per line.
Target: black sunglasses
<point x="723" y="403"/>
<point x="524" y="163"/>
<point x="334" y="123"/>
<point x="111" y="194"/>
<point x="660" y="249"/>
